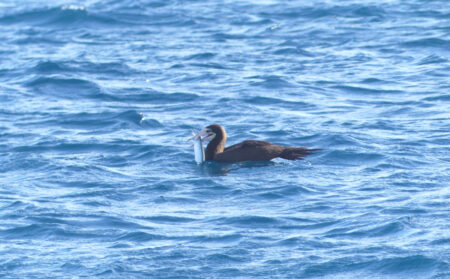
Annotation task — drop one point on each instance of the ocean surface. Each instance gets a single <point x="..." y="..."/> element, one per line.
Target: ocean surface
<point x="99" y="97"/>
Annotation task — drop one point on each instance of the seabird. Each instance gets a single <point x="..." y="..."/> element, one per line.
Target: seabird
<point x="248" y="150"/>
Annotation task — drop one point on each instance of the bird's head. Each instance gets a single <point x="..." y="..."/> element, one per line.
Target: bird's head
<point x="209" y="133"/>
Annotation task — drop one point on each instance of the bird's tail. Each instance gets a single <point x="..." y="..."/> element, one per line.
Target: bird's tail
<point x="296" y="153"/>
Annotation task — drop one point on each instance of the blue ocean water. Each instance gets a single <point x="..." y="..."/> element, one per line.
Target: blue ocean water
<point x="98" y="98"/>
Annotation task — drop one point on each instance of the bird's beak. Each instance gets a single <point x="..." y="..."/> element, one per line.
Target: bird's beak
<point x="208" y="137"/>
<point x="200" y="135"/>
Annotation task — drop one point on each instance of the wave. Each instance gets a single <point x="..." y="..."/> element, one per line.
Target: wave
<point x="140" y="237"/>
<point x="432" y="59"/>
<point x="271" y="82"/>
<point x="168" y="219"/>
<point x="75" y="67"/>
<point x="384" y="230"/>
<point x="57" y="17"/>
<point x="351" y="158"/>
<point x="249" y="221"/>
<point x="428" y="42"/>
<point x="155" y="97"/>
<point x="293" y="51"/>
<point x="79" y="17"/>
<point x="281" y="102"/>
<point x="352" y="11"/>
<point x="395" y="266"/>
<point x="364" y="90"/>
<point x="66" y="88"/>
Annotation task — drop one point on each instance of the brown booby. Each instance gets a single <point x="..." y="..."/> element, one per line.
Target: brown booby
<point x="248" y="150"/>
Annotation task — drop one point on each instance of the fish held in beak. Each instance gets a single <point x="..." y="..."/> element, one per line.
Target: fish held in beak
<point x="199" y="151"/>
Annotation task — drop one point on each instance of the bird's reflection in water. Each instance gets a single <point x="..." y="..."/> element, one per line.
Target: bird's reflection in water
<point x="212" y="168"/>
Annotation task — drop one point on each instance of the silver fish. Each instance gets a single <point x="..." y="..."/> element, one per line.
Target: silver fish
<point x="199" y="150"/>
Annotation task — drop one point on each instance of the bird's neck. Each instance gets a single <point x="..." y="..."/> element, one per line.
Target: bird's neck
<point x="216" y="146"/>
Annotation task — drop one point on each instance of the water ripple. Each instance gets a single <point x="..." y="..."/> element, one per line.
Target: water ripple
<point x="99" y="97"/>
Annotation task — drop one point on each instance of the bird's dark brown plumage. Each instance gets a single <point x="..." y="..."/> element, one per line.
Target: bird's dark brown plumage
<point x="249" y="150"/>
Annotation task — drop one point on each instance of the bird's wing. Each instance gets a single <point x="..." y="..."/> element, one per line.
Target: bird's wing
<point x="249" y="150"/>
<point x="246" y="143"/>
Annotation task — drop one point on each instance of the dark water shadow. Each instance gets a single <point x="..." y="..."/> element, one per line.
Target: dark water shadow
<point x="211" y="168"/>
